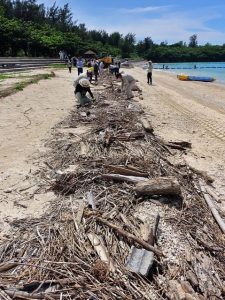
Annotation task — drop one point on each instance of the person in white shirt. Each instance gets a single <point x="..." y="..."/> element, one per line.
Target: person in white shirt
<point x="101" y="67"/>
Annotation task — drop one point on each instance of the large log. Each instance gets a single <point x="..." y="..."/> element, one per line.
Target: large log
<point x="158" y="186"/>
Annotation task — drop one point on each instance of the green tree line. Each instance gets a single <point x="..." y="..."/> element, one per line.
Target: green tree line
<point x="31" y="29"/>
<point x="180" y="52"/>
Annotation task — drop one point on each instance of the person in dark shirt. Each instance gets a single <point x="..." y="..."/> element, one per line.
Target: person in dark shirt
<point x="81" y="90"/>
<point x="69" y="65"/>
<point x="96" y="70"/>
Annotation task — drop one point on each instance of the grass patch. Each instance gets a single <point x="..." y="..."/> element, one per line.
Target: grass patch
<point x="59" y="66"/>
<point x="6" y="76"/>
<point x="19" y="86"/>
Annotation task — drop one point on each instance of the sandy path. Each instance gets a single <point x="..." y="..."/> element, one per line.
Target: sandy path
<point x="26" y="119"/>
<point x="191" y="111"/>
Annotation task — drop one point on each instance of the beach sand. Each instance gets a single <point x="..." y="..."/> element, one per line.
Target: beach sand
<point x="26" y="121"/>
<point x="189" y="111"/>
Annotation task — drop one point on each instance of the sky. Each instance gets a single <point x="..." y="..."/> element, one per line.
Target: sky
<point x="162" y="20"/>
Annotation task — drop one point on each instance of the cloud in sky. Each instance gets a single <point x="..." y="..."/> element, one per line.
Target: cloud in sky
<point x="171" y="25"/>
<point x="162" y="22"/>
<point x="144" y="9"/>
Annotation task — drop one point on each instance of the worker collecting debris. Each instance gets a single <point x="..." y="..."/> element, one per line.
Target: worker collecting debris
<point x="128" y="84"/>
<point x="82" y="86"/>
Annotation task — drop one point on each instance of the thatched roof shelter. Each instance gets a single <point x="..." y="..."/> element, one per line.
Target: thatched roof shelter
<point x="90" y="54"/>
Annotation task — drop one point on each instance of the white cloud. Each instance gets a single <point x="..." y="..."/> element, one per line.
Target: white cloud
<point x="144" y="9"/>
<point x="173" y="27"/>
<point x="169" y="24"/>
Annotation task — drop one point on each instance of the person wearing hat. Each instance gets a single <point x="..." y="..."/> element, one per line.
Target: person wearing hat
<point x="128" y="84"/>
<point x="81" y="89"/>
<point x="149" y="72"/>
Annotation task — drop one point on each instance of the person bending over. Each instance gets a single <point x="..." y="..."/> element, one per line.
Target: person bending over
<point x="128" y="84"/>
<point x="82" y="87"/>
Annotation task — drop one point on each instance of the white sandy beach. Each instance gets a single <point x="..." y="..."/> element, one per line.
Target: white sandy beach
<point x="189" y="111"/>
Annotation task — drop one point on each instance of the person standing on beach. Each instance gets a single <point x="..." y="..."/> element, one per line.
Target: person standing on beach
<point x="90" y="72"/>
<point x="149" y="72"/>
<point x="80" y="65"/>
<point x="74" y="61"/>
<point x="101" y="67"/>
<point x="69" y="65"/>
<point x="96" y="70"/>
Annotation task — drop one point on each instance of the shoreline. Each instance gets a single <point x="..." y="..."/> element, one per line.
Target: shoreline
<point x="206" y="71"/>
<point x="216" y="82"/>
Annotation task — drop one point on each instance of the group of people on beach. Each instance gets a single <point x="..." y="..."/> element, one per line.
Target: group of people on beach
<point x="94" y="67"/>
<point x="82" y="87"/>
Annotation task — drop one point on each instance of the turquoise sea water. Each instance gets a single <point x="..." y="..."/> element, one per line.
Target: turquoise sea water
<point x="212" y="69"/>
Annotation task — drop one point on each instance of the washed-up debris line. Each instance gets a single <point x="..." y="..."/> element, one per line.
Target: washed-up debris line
<point x="114" y="179"/>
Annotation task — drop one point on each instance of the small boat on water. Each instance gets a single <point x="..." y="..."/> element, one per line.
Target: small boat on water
<point x="195" y="78"/>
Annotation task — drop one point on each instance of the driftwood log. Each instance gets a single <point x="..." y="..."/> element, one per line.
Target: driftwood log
<point x="118" y="177"/>
<point x="100" y="248"/>
<point x="7" y="266"/>
<point x="4" y="296"/>
<point x="182" y="145"/>
<point x="15" y="294"/>
<point x="130" y="236"/>
<point x="175" y="291"/>
<point x="212" y="207"/>
<point x="127" y="171"/>
<point x="158" y="186"/>
<point x="181" y="291"/>
<point x="129" y="136"/>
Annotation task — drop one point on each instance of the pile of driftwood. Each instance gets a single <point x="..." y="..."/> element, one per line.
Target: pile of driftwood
<point x="127" y="224"/>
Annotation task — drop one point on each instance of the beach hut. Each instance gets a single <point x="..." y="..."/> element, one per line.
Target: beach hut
<point x="90" y="54"/>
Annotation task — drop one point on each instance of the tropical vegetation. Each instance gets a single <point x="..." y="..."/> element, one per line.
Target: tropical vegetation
<point x="31" y="29"/>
